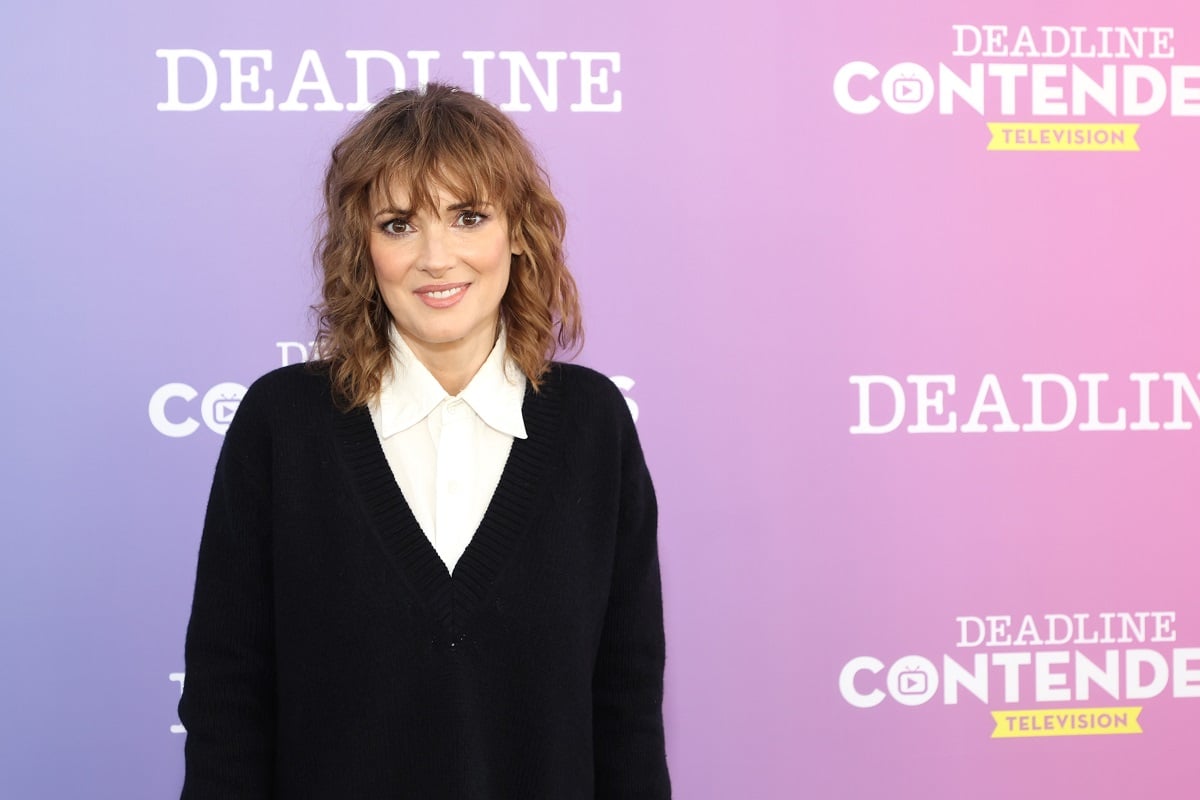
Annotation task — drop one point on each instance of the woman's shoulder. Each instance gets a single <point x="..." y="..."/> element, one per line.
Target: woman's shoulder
<point x="585" y="381"/>
<point x="587" y="392"/>
<point x="598" y="420"/>
<point x="287" y="391"/>
<point x="311" y="377"/>
<point x="577" y="375"/>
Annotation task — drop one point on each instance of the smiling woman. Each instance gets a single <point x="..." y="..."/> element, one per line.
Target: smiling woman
<point x="429" y="565"/>
<point x="442" y="272"/>
<point x="433" y="154"/>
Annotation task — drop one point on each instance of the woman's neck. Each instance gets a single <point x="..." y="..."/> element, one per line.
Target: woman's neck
<point x="454" y="364"/>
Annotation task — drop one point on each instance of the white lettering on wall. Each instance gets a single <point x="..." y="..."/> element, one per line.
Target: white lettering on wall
<point x="1040" y="402"/>
<point x="251" y="79"/>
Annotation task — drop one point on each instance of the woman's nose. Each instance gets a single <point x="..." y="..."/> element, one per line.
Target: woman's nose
<point x="436" y="252"/>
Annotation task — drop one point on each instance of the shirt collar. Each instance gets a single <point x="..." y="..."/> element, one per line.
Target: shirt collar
<point x="409" y="392"/>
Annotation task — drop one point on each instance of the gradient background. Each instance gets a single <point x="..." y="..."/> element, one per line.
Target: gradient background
<point x="743" y="246"/>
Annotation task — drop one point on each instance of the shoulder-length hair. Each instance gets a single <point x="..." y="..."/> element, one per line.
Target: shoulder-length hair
<point x="445" y="138"/>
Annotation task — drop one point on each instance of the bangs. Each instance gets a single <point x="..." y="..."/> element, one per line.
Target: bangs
<point x="423" y="185"/>
<point x="449" y="154"/>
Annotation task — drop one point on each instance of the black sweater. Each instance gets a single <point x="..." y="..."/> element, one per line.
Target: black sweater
<point x="331" y="655"/>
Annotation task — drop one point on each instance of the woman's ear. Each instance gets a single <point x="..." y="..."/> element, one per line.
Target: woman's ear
<point x="516" y="240"/>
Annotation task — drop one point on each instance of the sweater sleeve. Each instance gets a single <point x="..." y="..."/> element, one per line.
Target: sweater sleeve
<point x="627" y="687"/>
<point x="228" y="702"/>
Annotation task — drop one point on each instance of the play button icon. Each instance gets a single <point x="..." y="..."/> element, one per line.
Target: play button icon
<point x="913" y="683"/>
<point x="907" y="90"/>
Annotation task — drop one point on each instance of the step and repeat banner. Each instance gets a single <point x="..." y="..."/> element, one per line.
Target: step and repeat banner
<point x="904" y="301"/>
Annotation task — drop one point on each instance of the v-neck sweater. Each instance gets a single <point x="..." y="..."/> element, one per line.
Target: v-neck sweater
<point x="330" y="654"/>
<point x="445" y="451"/>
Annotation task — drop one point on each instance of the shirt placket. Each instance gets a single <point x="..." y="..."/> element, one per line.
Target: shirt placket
<point x="452" y="470"/>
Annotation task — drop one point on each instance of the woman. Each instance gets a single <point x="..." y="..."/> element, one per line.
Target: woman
<point x="429" y="564"/>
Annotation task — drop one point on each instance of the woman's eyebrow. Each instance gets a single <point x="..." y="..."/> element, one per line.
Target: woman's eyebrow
<point x="394" y="212"/>
<point x="407" y="212"/>
<point x="466" y="204"/>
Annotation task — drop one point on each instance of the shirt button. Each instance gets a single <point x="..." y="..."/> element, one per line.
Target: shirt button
<point x="453" y="406"/>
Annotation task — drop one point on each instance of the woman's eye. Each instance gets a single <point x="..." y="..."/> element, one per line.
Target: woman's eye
<point x="396" y="227"/>
<point x="471" y="219"/>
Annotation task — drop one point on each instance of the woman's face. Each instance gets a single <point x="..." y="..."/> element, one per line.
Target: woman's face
<point x="441" y="273"/>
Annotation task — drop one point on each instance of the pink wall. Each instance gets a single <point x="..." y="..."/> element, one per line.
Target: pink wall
<point x="753" y="255"/>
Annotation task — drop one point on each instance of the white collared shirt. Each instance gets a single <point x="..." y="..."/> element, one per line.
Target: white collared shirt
<point x="447" y="453"/>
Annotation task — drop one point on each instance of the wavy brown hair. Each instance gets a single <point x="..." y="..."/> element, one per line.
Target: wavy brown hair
<point x="445" y="138"/>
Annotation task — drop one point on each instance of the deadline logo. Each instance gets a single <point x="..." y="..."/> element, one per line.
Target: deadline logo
<point x="1032" y="665"/>
<point x="1040" y="402"/>
<point x="1021" y="76"/>
<point x="248" y="79"/>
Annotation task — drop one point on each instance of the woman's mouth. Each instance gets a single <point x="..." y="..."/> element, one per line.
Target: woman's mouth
<point x="442" y="296"/>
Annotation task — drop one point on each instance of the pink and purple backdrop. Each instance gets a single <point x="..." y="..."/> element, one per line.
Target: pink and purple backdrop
<point x="753" y="256"/>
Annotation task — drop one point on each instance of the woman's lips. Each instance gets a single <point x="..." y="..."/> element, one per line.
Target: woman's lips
<point x="442" y="295"/>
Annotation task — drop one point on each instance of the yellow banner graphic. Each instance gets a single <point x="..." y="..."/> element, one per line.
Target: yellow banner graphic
<point x="1066" y="722"/>
<point x="1109" y="137"/>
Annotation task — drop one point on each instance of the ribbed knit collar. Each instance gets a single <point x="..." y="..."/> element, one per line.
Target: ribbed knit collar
<point x="452" y="599"/>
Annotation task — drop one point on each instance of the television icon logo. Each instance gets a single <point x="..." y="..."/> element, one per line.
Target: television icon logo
<point x="220" y="404"/>
<point x="224" y="409"/>
<point x="912" y="682"/>
<point x="908" y="90"/>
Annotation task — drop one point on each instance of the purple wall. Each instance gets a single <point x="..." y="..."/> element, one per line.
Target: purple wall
<point x="866" y="350"/>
